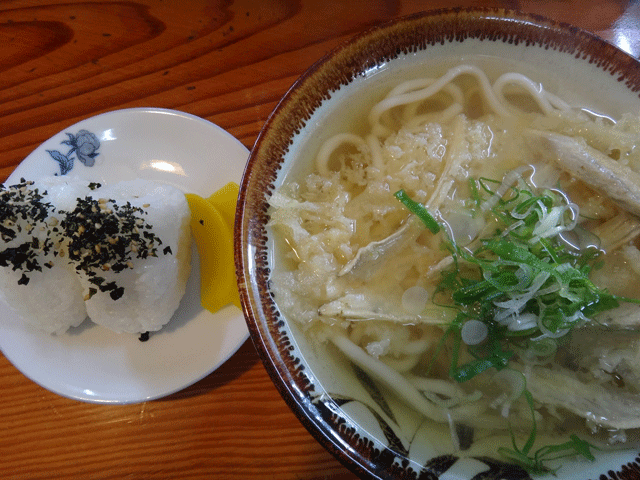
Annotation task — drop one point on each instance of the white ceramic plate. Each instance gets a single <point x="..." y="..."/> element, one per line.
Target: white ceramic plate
<point x="90" y="362"/>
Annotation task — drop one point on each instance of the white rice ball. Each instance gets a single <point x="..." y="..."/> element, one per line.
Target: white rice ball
<point x="51" y="299"/>
<point x="154" y="286"/>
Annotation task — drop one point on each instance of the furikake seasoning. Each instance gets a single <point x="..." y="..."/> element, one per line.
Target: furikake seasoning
<point x="105" y="236"/>
<point x="24" y="216"/>
<point x="97" y="236"/>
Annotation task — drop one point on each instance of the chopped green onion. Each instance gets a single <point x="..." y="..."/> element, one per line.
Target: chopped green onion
<point x="526" y="284"/>
<point x="418" y="210"/>
<point x="496" y="359"/>
<point x="475" y="194"/>
<point x="534" y="429"/>
<point x="536" y="463"/>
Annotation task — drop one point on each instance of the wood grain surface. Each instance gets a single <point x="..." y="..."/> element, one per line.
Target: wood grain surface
<point x="229" y="62"/>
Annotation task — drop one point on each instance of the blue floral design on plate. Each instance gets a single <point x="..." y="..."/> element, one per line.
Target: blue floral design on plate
<point x="84" y="144"/>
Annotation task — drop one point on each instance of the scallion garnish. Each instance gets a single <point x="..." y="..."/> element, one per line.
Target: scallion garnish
<point x="418" y="210"/>
<point x="524" y="283"/>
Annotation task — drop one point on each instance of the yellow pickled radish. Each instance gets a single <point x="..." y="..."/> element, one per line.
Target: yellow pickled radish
<point x="214" y="240"/>
<point x="225" y="201"/>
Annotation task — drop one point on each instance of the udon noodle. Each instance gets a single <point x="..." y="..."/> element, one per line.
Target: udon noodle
<point x="475" y="250"/>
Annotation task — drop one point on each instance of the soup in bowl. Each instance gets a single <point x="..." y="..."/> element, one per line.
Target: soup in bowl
<point x="438" y="249"/>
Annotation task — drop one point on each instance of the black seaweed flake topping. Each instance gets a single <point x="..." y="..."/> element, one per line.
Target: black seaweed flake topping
<point x="24" y="257"/>
<point x="105" y="236"/>
<point x="98" y="235"/>
<point x="21" y="208"/>
<point x="115" y="292"/>
<point x="24" y="213"/>
<point x="144" y="336"/>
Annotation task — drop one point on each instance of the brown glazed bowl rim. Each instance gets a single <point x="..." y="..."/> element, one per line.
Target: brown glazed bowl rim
<point x="339" y="67"/>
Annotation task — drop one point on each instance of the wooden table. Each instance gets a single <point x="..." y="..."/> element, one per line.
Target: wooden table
<point x="228" y="62"/>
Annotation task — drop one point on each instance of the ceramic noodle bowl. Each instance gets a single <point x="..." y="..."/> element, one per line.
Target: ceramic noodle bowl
<point x="364" y="426"/>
